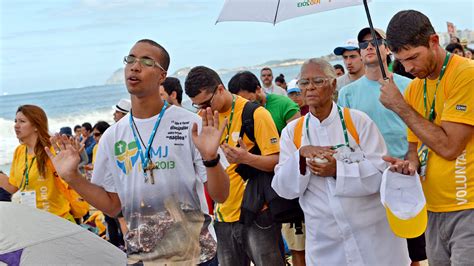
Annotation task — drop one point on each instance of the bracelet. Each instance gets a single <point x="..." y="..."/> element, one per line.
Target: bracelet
<point x="213" y="162"/>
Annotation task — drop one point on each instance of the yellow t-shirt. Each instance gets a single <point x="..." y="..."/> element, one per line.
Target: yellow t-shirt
<point x="449" y="185"/>
<point x="48" y="197"/>
<point x="94" y="152"/>
<point x="266" y="136"/>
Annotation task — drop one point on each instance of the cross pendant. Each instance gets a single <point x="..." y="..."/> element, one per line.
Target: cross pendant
<point x="150" y="168"/>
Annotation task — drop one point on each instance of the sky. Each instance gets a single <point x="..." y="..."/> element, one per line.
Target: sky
<point x="60" y="44"/>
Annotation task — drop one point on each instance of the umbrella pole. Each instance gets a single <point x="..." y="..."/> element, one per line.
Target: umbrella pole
<point x="374" y="36"/>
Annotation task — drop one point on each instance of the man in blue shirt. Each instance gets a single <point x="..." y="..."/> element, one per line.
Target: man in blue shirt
<point x="363" y="94"/>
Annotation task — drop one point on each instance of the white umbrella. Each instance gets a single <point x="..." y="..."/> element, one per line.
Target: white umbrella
<point x="274" y="11"/>
<point x="30" y="236"/>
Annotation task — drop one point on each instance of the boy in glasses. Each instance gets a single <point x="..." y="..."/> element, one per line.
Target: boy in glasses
<point x="153" y="165"/>
<point x="363" y="95"/>
<point x="240" y="242"/>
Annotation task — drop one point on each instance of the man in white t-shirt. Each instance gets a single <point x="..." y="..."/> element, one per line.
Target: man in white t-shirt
<point x="266" y="76"/>
<point x="153" y="165"/>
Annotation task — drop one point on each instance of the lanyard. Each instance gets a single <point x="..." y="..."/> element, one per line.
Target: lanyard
<point x="344" y="129"/>
<point x="432" y="114"/>
<point x="27" y="170"/>
<point x="229" y="124"/>
<point x="150" y="141"/>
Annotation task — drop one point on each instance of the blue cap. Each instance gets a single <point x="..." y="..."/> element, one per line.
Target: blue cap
<point x="293" y="90"/>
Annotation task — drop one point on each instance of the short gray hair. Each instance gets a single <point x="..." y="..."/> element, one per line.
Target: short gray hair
<point x="327" y="68"/>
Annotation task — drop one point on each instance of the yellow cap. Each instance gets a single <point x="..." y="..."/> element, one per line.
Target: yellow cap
<point x="405" y="204"/>
<point x="409" y="228"/>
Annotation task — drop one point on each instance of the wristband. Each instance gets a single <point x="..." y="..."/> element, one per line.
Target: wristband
<point x="213" y="162"/>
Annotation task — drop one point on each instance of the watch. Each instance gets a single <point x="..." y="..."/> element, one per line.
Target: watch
<point x="213" y="162"/>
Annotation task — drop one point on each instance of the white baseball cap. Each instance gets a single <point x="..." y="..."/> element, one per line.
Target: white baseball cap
<point x="405" y="203"/>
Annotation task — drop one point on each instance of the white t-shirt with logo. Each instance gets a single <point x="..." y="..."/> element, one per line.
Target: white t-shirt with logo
<point x="168" y="220"/>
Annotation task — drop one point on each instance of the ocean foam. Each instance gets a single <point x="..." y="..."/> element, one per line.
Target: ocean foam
<point x="8" y="140"/>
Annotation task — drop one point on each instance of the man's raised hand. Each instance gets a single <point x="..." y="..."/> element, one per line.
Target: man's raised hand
<point x="66" y="156"/>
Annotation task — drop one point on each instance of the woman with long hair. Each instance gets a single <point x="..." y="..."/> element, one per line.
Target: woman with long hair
<point x="32" y="172"/>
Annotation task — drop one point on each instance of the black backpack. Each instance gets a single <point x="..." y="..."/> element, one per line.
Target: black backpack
<point x="259" y="190"/>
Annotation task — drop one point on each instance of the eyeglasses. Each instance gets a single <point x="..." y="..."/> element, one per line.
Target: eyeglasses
<point x="207" y="103"/>
<point x="97" y="134"/>
<point x="267" y="75"/>
<point x="317" y="81"/>
<point x="364" y="44"/>
<point x="146" y="62"/>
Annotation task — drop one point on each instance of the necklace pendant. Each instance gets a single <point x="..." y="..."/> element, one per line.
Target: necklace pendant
<point x="150" y="168"/>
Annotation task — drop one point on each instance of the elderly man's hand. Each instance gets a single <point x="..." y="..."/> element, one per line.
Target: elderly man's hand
<point x="327" y="168"/>
<point x="311" y="151"/>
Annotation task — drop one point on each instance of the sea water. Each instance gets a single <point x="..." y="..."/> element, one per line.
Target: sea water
<point x="70" y="107"/>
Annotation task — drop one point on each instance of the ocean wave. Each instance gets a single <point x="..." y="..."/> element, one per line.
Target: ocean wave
<point x="8" y="140"/>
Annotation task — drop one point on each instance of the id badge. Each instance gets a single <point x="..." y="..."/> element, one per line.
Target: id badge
<point x="28" y="198"/>
<point x="423" y="158"/>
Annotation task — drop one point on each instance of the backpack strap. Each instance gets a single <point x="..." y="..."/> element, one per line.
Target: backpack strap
<point x="350" y="125"/>
<point x="298" y="132"/>
<point x="248" y="127"/>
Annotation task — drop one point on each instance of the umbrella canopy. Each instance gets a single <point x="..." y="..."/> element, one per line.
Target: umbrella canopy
<point x="30" y="236"/>
<point x="274" y="11"/>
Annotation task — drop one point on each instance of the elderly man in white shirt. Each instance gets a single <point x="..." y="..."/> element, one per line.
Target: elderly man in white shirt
<point x="334" y="165"/>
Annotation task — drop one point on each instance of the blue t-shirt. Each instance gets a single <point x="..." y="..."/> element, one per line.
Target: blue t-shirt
<point x="89" y="147"/>
<point x="363" y="94"/>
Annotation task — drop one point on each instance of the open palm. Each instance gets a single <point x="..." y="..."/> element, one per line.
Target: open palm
<point x="207" y="142"/>
<point x="66" y="157"/>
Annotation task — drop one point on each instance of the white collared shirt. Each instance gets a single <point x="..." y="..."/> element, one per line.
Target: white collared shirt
<point x="345" y="222"/>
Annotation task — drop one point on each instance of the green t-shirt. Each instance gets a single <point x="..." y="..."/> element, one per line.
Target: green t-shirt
<point x="281" y="108"/>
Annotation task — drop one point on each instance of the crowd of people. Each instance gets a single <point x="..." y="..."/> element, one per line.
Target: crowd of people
<point x="265" y="164"/>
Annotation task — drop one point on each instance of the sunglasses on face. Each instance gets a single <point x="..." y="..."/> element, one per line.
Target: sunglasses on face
<point x="317" y="81"/>
<point x="365" y="44"/>
<point x="207" y="103"/>
<point x="266" y="75"/>
<point x="97" y="134"/>
<point x="146" y="62"/>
